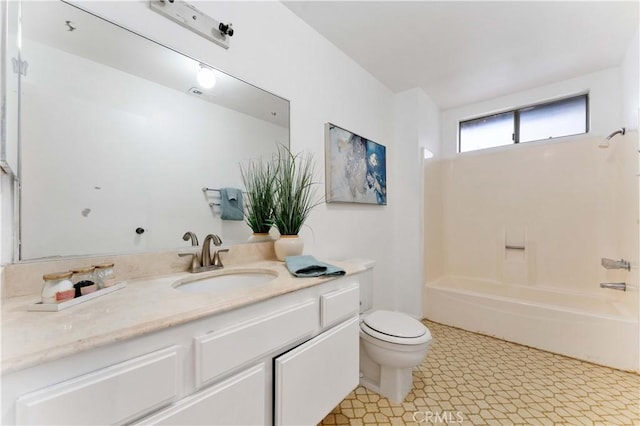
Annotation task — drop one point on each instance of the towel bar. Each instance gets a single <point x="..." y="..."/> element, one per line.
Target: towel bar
<point x="514" y="247"/>
<point x="205" y="189"/>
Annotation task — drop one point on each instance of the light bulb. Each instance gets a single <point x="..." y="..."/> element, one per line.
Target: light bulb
<point x="206" y="77"/>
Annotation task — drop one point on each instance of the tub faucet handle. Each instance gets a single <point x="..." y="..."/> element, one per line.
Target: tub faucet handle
<point x="615" y="264"/>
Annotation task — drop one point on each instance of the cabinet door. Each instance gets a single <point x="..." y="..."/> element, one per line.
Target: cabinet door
<point x="239" y="400"/>
<point x="338" y="305"/>
<point x="112" y="395"/>
<point x="219" y="352"/>
<point x="313" y="378"/>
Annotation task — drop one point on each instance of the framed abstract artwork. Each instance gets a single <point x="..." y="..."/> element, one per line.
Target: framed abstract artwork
<point x="356" y="168"/>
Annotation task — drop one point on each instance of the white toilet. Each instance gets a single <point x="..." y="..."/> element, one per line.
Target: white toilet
<point x="391" y="345"/>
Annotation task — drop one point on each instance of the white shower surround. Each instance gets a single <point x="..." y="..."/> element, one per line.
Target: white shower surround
<point x="585" y="326"/>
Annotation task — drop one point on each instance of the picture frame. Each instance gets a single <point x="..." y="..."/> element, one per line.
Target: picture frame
<point x="356" y="168"/>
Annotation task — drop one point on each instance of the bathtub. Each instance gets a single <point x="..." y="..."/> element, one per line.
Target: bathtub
<point x="582" y="326"/>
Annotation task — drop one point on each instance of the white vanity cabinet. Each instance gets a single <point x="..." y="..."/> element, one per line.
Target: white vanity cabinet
<point x="221" y="351"/>
<point x="109" y="395"/>
<point x="288" y="359"/>
<point x="314" y="377"/>
<point x="239" y="400"/>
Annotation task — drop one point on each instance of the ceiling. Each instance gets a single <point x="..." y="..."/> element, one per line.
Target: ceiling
<point x="460" y="52"/>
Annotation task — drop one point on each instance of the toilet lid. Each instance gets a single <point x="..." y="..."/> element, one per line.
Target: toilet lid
<point x="395" y="324"/>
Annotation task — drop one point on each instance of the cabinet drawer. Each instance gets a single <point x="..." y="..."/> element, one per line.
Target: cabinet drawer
<point x="239" y="400"/>
<point x="313" y="378"/>
<point x="111" y="395"/>
<point x="221" y="351"/>
<point x="339" y="304"/>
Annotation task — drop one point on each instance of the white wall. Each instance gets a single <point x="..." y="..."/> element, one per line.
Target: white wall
<point x="133" y="161"/>
<point x="416" y="127"/>
<point x="631" y="83"/>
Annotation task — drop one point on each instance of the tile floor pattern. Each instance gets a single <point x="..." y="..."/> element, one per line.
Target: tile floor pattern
<point x="471" y="379"/>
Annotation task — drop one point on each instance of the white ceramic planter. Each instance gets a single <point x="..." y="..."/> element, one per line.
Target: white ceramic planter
<point x="288" y="245"/>
<point x="259" y="237"/>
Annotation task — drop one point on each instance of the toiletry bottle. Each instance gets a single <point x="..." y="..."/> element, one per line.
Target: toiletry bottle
<point x="83" y="280"/>
<point x="104" y="275"/>
<point x="57" y="287"/>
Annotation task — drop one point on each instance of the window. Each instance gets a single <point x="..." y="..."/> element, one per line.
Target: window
<point x="548" y="120"/>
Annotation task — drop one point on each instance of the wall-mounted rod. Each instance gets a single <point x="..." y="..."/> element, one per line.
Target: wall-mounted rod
<point x="614" y="286"/>
<point x="206" y="189"/>
<point x="508" y="247"/>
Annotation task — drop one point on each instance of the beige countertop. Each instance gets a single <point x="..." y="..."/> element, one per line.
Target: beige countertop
<point x="145" y="305"/>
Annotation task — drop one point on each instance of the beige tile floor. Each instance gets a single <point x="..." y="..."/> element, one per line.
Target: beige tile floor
<point x="471" y="379"/>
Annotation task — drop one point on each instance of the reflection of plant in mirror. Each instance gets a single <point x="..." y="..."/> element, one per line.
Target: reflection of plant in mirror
<point x="295" y="190"/>
<point x="258" y="178"/>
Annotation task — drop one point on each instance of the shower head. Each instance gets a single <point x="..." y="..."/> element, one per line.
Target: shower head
<point x="605" y="142"/>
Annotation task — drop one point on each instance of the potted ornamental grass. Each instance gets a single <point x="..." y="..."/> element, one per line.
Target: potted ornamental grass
<point x="258" y="177"/>
<point x="295" y="192"/>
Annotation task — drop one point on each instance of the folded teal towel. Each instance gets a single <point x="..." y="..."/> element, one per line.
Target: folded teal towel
<point x="309" y="266"/>
<point x="231" y="204"/>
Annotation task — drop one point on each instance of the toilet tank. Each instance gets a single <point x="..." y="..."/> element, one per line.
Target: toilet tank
<point x="366" y="283"/>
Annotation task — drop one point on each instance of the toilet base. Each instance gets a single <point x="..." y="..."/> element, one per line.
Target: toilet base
<point x="392" y="383"/>
<point x="395" y="383"/>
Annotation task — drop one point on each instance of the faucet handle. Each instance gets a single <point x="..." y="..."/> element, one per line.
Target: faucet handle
<point x="615" y="264"/>
<point x="216" y="257"/>
<point x="195" y="262"/>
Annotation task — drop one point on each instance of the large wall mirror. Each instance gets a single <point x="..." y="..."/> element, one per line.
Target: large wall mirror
<point x="118" y="133"/>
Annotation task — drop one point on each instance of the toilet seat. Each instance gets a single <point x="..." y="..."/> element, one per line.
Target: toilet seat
<point x="395" y="327"/>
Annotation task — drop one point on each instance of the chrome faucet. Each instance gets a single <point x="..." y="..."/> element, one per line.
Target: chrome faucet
<point x="614" y="286"/>
<point x="615" y="264"/>
<point x="190" y="236"/>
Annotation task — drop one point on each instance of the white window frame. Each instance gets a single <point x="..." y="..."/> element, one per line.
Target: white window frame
<point x="516" y="120"/>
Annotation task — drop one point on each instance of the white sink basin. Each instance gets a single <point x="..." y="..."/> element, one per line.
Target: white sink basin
<point x="226" y="281"/>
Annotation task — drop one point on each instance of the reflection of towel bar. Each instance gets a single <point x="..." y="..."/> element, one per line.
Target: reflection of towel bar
<point x="205" y="189"/>
<point x="514" y="247"/>
<point x="213" y="204"/>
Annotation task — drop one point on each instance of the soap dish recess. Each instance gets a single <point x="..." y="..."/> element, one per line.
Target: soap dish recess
<point x="55" y="307"/>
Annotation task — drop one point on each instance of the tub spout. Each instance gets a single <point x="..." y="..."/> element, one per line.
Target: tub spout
<point x="614" y="286"/>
